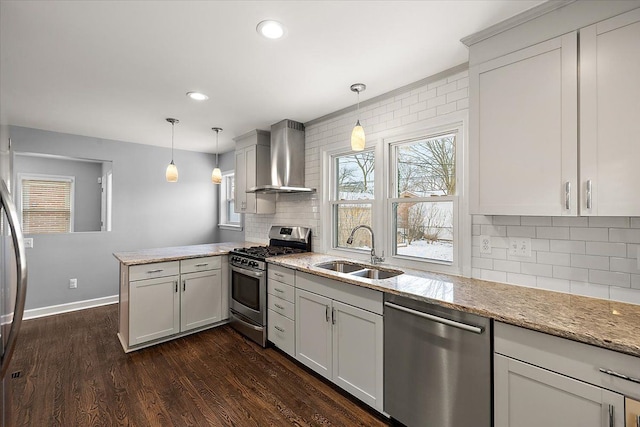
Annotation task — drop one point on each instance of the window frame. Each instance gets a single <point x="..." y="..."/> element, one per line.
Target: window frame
<point x="47" y="177"/>
<point x="223" y="203"/>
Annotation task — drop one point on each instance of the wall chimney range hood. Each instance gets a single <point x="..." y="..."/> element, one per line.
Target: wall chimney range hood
<point x="287" y="160"/>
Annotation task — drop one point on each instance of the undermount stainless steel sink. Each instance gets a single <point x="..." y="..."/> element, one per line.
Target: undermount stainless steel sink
<point x="341" y="266"/>
<point x="371" y="273"/>
<point x="359" y="270"/>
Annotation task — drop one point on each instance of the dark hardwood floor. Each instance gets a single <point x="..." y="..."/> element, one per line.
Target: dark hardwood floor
<point x="74" y="373"/>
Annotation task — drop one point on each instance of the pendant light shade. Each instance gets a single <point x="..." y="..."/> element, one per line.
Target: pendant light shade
<point x="357" y="135"/>
<point x="216" y="175"/>
<point x="172" y="170"/>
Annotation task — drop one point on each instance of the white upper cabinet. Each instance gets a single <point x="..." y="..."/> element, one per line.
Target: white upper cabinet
<point x="253" y="167"/>
<point x="534" y="150"/>
<point x="524" y="131"/>
<point x="610" y="116"/>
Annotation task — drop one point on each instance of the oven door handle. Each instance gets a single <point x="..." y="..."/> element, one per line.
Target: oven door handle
<point x="247" y="272"/>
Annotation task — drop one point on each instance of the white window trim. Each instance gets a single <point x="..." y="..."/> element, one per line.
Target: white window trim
<point x="380" y="141"/>
<point x="46" y="177"/>
<point x="222" y="216"/>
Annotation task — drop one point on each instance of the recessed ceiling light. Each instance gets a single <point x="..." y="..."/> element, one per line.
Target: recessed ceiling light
<point x="270" y="29"/>
<point x="197" y="96"/>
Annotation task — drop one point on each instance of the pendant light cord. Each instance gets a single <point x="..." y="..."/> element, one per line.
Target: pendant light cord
<point x="217" y="132"/>
<point x="172" y="125"/>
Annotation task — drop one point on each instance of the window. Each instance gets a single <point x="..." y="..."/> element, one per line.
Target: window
<point x="353" y="198"/>
<point x="228" y="217"/>
<point x="46" y="203"/>
<point x="423" y="198"/>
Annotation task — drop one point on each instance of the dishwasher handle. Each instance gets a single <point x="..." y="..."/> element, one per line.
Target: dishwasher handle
<point x="453" y="323"/>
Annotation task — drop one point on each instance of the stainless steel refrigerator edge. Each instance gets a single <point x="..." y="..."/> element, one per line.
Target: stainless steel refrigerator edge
<point x="437" y="365"/>
<point x="13" y="275"/>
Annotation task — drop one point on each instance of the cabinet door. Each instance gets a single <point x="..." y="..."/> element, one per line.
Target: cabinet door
<point x="528" y="396"/>
<point x="357" y="353"/>
<point x="201" y="299"/>
<point x="609" y="120"/>
<point x="250" y="178"/>
<point x="154" y="309"/>
<point x="313" y="332"/>
<point x="523" y="131"/>
<point x="240" y="195"/>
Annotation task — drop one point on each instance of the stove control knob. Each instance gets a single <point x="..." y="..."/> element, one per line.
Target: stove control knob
<point x="244" y="261"/>
<point x="253" y="264"/>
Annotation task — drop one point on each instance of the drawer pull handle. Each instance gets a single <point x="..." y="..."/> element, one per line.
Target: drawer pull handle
<point x="618" y="375"/>
<point x="202" y="265"/>
<point x="278" y="290"/>
<point x="567" y="195"/>
<point x="326" y="313"/>
<point x="612" y="420"/>
<point x="278" y="274"/>
<point x="278" y="328"/>
<point x="279" y="306"/>
<point x="589" y="193"/>
<point x="176" y="286"/>
<point x="155" y="271"/>
<point x="184" y="285"/>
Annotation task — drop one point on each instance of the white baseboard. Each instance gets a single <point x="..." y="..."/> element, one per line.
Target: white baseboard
<point x="71" y="306"/>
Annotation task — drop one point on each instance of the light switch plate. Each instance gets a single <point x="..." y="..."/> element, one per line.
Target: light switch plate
<point x="485" y="244"/>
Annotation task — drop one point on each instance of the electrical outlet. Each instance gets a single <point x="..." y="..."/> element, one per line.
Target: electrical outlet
<point x="73" y="283"/>
<point x="520" y="246"/>
<point x="28" y="242"/>
<point x="485" y="244"/>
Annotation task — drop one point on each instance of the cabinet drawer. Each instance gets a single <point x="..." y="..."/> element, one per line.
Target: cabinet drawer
<point x="282" y="274"/>
<point x="200" y="264"/>
<point x="281" y="306"/>
<point x="281" y="332"/>
<point x="281" y="290"/>
<point x="156" y="269"/>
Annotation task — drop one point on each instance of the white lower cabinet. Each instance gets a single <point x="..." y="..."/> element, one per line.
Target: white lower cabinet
<point x="281" y="313"/>
<point x="338" y="336"/>
<point x="154" y="309"/>
<point x="528" y="396"/>
<point x="200" y="301"/>
<point x="544" y="380"/>
<point x="161" y="301"/>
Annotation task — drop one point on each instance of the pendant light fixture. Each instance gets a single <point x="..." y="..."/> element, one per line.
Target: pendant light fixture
<point x="216" y="175"/>
<point x="172" y="170"/>
<point x="357" y="135"/>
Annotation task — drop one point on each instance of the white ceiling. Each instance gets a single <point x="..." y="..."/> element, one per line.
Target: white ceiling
<point x="117" y="69"/>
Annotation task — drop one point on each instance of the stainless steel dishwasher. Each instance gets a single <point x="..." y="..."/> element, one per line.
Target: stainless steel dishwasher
<point x="437" y="365"/>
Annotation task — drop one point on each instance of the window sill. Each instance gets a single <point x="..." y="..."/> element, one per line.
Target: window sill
<point x="230" y="227"/>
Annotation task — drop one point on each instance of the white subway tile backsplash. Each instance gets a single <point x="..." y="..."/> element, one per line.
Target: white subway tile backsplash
<point x="635" y="281"/>
<point x="571" y="273"/>
<point x="481" y="220"/>
<point x="494" y="230"/>
<point x="609" y="221"/>
<point x="551" y="284"/>
<point x="625" y="295"/>
<point x="626" y="235"/>
<point x="506" y="220"/>
<point x="484" y="263"/>
<point x="610" y="278"/>
<point x="567" y="246"/>
<point x="508" y="266"/>
<point x="554" y="258"/>
<point x="475" y="230"/>
<point x="606" y="249"/>
<point x="437" y="101"/>
<point x="496" y="253"/>
<point x="552" y="233"/>
<point x="626" y="265"/>
<point x="635" y="222"/>
<point x="521" y="279"/>
<point x="494" y="276"/>
<point x="540" y="245"/>
<point x="536" y="269"/>
<point x="570" y="221"/>
<point x="539" y="221"/>
<point x="589" y="234"/>
<point x="521" y="231"/>
<point x="590" y="261"/>
<point x="590" y="290"/>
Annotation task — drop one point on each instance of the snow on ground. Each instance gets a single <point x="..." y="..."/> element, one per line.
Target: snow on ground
<point x="439" y="250"/>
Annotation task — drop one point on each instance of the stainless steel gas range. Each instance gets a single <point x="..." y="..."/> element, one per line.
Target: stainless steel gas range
<point x="248" y="293"/>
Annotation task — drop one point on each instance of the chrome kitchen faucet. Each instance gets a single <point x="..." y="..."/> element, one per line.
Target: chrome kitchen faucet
<point x="374" y="258"/>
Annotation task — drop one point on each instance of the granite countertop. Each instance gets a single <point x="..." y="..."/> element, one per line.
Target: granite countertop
<point x="175" y="253"/>
<point x="608" y="324"/>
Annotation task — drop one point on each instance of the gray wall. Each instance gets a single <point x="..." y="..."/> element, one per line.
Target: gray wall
<point x="87" y="197"/>
<point x="227" y="163"/>
<point x="147" y="212"/>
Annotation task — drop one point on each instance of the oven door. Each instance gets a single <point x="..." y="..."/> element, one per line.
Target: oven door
<point x="249" y="294"/>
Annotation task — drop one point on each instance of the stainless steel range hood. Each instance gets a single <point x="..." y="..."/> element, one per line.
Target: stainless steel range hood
<point x="287" y="160"/>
